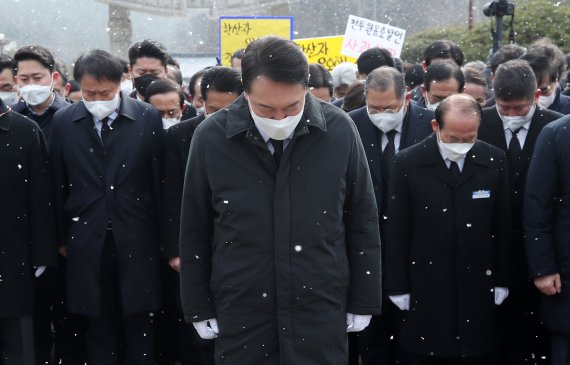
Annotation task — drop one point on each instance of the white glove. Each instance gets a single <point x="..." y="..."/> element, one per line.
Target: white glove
<point x="356" y="322"/>
<point x="500" y="295"/>
<point x="401" y="301"/>
<point x="39" y="271"/>
<point x="207" y="330"/>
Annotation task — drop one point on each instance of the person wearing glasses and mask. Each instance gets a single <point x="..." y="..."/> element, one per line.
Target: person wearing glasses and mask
<point x="36" y="77"/>
<point x="279" y="238"/>
<point x="388" y="123"/>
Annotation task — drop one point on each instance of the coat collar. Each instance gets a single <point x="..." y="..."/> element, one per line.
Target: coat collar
<point x="4" y="118"/>
<point x="239" y="118"/>
<point x="475" y="157"/>
<point x="126" y="109"/>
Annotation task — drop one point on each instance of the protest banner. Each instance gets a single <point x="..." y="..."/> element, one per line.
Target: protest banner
<point x="324" y="50"/>
<point x="362" y="34"/>
<point x="237" y="32"/>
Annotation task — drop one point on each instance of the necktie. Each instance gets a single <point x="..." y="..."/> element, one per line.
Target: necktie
<point x="454" y="170"/>
<point x="105" y="130"/>
<point x="515" y="146"/>
<point x="389" y="153"/>
<point x="278" y="150"/>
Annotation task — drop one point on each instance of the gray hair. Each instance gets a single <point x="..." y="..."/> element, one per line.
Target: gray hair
<point x="384" y="78"/>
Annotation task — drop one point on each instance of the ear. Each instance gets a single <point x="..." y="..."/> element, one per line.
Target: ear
<point x="424" y="91"/>
<point x="424" y="66"/>
<point x="537" y="94"/>
<point x="55" y="76"/>
<point x="183" y="107"/>
<point x="408" y="98"/>
<point x="130" y="72"/>
<point x="67" y="89"/>
<point x="434" y="125"/>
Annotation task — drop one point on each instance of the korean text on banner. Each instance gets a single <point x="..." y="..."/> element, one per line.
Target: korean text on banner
<point x="362" y="34"/>
<point x="324" y="50"/>
<point x="237" y="32"/>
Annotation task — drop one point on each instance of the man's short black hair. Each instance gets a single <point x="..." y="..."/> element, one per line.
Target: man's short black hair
<point x="238" y="54"/>
<point x="514" y="80"/>
<point x="414" y="76"/>
<point x="170" y="61"/>
<point x="36" y="53"/>
<point x="466" y="102"/>
<point x="61" y="68"/>
<point x="441" y="71"/>
<point x="278" y="59"/>
<point x="222" y="79"/>
<point x="373" y="58"/>
<point x="7" y="62"/>
<point x="100" y="65"/>
<point x="163" y="86"/>
<point x="547" y="62"/>
<point x="148" y="48"/>
<point x="125" y="65"/>
<point x="194" y="79"/>
<point x="444" y="49"/>
<point x="506" y="53"/>
<point x="174" y="74"/>
<point x="319" y="77"/>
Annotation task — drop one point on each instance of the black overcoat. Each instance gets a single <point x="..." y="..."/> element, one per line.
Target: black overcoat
<point x="279" y="255"/>
<point x="119" y="184"/>
<point x="449" y="246"/>
<point x="27" y="227"/>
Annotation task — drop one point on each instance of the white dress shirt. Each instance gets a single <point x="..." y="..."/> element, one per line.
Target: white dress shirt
<point x="397" y="138"/>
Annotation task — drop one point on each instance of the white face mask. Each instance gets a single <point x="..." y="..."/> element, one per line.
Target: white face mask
<point x="36" y="94"/>
<point x="516" y="122"/>
<point x="169" y="122"/>
<point x="9" y="97"/>
<point x="127" y="87"/>
<point x="387" y="121"/>
<point x="200" y="111"/>
<point x="430" y="106"/>
<point x="546" y="101"/>
<point x="102" y="108"/>
<point x="277" y="129"/>
<point x="454" y="151"/>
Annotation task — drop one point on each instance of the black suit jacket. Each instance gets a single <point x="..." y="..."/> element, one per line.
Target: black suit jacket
<point x="448" y="244"/>
<point x="177" y="146"/>
<point x="119" y="183"/>
<point x="416" y="126"/>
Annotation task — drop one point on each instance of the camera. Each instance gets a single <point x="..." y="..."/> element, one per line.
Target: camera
<point x="499" y="8"/>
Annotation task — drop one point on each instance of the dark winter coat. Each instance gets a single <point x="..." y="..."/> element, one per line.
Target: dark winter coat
<point x="177" y="146"/>
<point x="119" y="184"/>
<point x="279" y="255"/>
<point x="27" y="227"/>
<point x="547" y="222"/>
<point x="561" y="103"/>
<point x="520" y="311"/>
<point x="448" y="245"/>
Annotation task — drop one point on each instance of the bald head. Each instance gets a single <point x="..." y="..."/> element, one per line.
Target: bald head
<point x="458" y="118"/>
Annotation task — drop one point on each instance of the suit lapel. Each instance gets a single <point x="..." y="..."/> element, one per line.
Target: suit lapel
<point x="372" y="148"/>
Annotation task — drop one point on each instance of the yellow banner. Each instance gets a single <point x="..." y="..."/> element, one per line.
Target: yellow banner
<point x="237" y="32"/>
<point x="324" y="50"/>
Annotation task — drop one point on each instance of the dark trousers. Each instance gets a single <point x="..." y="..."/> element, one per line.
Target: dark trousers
<point x="114" y="338"/>
<point x="378" y="343"/>
<point x="54" y="327"/>
<point x="177" y="341"/>
<point x="17" y="341"/>
<point x="560" y="349"/>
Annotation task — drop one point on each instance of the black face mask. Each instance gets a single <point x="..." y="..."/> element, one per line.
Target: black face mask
<point x="142" y="82"/>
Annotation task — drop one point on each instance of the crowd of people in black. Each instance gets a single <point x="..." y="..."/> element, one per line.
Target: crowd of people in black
<point x="262" y="212"/>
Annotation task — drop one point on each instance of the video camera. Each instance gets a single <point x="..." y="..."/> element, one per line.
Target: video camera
<point x="499" y="8"/>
